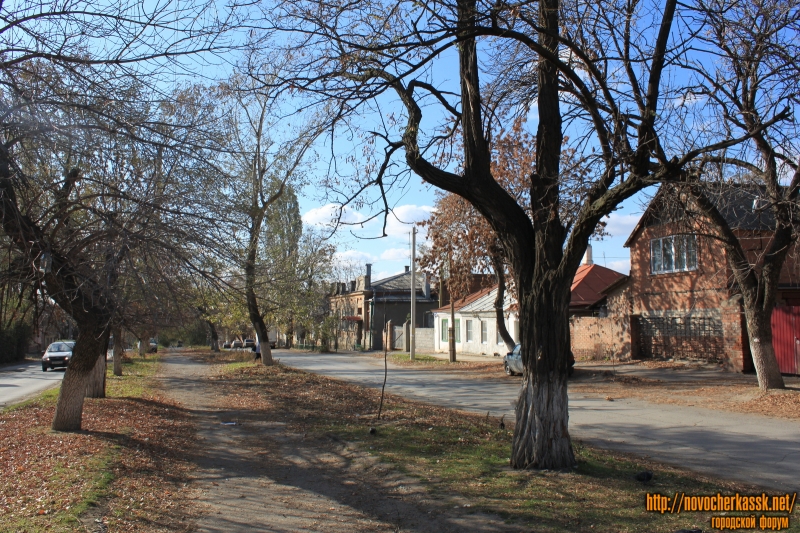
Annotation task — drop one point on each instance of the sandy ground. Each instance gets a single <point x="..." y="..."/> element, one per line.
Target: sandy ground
<point x="255" y="474"/>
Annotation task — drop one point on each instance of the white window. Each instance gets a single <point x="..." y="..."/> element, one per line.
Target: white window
<point x="484" y="333"/>
<point x="469" y="330"/>
<point x="676" y="253"/>
<point x="444" y="331"/>
<point x="457" y="329"/>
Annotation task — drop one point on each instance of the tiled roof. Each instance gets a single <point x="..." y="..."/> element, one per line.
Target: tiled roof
<point x="740" y="205"/>
<point x="589" y="283"/>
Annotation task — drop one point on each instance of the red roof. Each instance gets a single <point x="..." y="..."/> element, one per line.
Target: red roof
<point x="589" y="283"/>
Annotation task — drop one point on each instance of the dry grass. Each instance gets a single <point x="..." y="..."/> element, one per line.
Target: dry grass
<point x="465" y="456"/>
<point x="126" y="469"/>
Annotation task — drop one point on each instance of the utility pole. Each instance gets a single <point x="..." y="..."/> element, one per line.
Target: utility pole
<point x="451" y="333"/>
<point x="413" y="291"/>
<point x="452" y="330"/>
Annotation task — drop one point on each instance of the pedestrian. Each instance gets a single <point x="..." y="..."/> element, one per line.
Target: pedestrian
<point x="257" y="349"/>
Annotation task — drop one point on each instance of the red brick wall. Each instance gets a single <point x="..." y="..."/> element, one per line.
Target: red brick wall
<point x="704" y="288"/>
<point x="600" y="337"/>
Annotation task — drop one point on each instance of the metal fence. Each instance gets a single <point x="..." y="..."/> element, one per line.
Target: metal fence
<point x="695" y="337"/>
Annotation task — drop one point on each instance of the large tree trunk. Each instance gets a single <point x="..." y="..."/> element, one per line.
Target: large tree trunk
<point x="214" y="336"/>
<point x="541" y="435"/>
<point x="759" y="329"/>
<point x="96" y="383"/>
<point x="88" y="346"/>
<point x="118" y="351"/>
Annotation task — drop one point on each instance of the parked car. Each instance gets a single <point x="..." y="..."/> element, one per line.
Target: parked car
<point x="153" y="346"/>
<point x="237" y="344"/>
<point x="57" y="354"/>
<point x="512" y="362"/>
<point x="226" y="345"/>
<point x="249" y="343"/>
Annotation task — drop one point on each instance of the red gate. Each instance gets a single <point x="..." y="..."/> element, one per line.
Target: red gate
<point x="786" y="338"/>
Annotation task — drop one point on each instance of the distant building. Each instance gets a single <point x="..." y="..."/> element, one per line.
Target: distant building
<point x="365" y="307"/>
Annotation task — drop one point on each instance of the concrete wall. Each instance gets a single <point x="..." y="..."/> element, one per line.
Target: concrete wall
<point x="424" y="338"/>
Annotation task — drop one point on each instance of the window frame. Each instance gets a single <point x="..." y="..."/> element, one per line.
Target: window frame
<point x="444" y="326"/>
<point x="686" y="247"/>
<point x="457" y="329"/>
<point x="468" y="325"/>
<point x="484" y="332"/>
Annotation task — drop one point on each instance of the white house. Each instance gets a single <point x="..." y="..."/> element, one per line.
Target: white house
<point x="476" y="324"/>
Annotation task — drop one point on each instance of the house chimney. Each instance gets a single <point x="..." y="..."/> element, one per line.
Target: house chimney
<point x="406" y="269"/>
<point x="587" y="257"/>
<point x="353" y="286"/>
<point x="368" y="278"/>
<point x="427" y="286"/>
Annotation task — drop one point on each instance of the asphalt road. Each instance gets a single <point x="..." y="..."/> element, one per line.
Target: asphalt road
<point x="21" y="381"/>
<point x="748" y="448"/>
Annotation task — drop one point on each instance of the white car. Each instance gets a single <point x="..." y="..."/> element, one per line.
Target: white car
<point x="57" y="354"/>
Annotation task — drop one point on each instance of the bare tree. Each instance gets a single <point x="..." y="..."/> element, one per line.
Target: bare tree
<point x="79" y="84"/>
<point x="607" y="71"/>
<point x="266" y="165"/>
<point x="747" y="92"/>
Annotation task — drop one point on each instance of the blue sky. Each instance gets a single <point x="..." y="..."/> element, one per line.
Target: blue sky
<point x="390" y="254"/>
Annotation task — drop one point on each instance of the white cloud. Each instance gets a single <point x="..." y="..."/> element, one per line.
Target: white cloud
<point x="327" y="215"/>
<point x="396" y="254"/>
<point x="619" y="225"/>
<point x="353" y="256"/>
<point x="383" y="274"/>
<point x="623" y="266"/>
<point x="403" y="217"/>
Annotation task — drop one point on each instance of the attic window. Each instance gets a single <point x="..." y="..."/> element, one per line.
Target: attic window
<point x="676" y="253"/>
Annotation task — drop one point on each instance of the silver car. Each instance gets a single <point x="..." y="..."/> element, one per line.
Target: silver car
<point x="57" y="354"/>
<point x="512" y="362"/>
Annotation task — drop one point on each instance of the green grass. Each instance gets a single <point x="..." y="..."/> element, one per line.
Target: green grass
<point x="137" y="377"/>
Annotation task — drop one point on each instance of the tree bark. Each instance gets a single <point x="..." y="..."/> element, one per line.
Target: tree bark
<point x="96" y="383"/>
<point x="500" y="277"/>
<point x="88" y="346"/>
<point x="214" y="336"/>
<point x="118" y="351"/>
<point x="759" y="329"/>
<point x="541" y="435"/>
<point x="262" y="333"/>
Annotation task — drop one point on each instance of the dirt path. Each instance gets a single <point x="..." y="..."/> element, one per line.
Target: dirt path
<point x="256" y="475"/>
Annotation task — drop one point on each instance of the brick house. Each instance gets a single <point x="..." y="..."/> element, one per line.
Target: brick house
<point x="682" y="297"/>
<point x="365" y="307"/>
